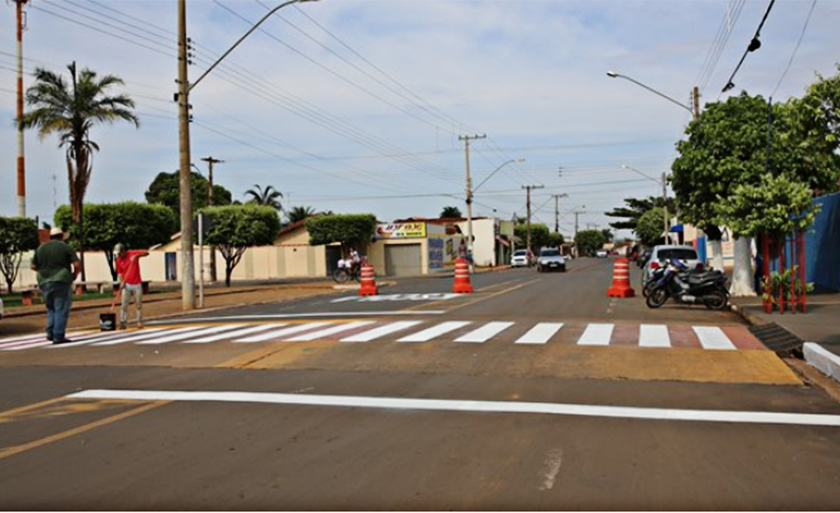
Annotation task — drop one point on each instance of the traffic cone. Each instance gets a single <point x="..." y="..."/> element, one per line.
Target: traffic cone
<point x="368" y="287"/>
<point x="621" y="280"/>
<point x="462" y="277"/>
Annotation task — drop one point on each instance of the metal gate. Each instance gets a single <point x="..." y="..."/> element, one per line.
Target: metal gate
<point x="403" y="260"/>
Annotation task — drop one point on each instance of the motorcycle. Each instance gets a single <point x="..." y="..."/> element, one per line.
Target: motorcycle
<point x="347" y="270"/>
<point x="706" y="288"/>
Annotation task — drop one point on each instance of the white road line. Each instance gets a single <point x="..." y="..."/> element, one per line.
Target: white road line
<point x="200" y="333"/>
<point x="435" y="331"/>
<point x="81" y="340"/>
<point x="117" y="335"/>
<point x="462" y="406"/>
<point x="291" y="330"/>
<point x="654" y="335"/>
<point x="232" y="334"/>
<point x="26" y="345"/>
<point x="485" y="333"/>
<point x="541" y="333"/>
<point x="24" y="338"/>
<point x="381" y="331"/>
<point x="712" y="337"/>
<point x="143" y="335"/>
<point x="326" y="332"/>
<point x="596" y="335"/>
<point x="300" y="316"/>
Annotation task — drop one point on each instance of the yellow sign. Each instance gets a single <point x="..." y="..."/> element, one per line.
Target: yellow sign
<point x="401" y="230"/>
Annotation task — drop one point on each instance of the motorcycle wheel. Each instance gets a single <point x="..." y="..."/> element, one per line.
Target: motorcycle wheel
<point x="715" y="300"/>
<point x="647" y="288"/>
<point x="339" y="275"/>
<point x="656" y="297"/>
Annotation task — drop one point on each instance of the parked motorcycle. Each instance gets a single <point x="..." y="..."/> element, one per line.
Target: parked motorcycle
<point x="706" y="288"/>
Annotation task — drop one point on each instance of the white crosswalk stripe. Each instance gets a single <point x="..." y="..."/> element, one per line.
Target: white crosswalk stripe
<point x="143" y="335"/>
<point x="277" y="334"/>
<point x="540" y="334"/>
<point x="381" y="331"/>
<point x="83" y="340"/>
<point x="596" y="335"/>
<point x="326" y="332"/>
<point x="27" y="345"/>
<point x="231" y="334"/>
<point x="485" y="333"/>
<point x="434" y="331"/>
<point x="712" y="337"/>
<point x="654" y="335"/>
<point x="26" y="338"/>
<point x="173" y="338"/>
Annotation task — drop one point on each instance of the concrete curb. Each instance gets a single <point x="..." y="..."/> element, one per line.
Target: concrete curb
<point x="825" y="361"/>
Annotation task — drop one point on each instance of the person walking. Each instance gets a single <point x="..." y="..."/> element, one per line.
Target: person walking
<point x="57" y="266"/>
<point x="131" y="284"/>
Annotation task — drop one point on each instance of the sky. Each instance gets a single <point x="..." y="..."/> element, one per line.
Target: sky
<point x="361" y="106"/>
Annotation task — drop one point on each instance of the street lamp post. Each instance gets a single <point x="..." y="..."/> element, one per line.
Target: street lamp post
<point x="695" y="112"/>
<point x="183" y="98"/>
<point x="471" y="191"/>
<point x="664" y="184"/>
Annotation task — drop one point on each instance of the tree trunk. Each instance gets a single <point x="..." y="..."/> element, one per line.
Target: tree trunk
<point x="82" y="241"/>
<point x="228" y="272"/>
<point x="742" y="275"/>
<point x="717" y="254"/>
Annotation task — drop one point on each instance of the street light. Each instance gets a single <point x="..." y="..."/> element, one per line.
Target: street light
<point x="495" y="171"/>
<point x="183" y="99"/>
<point x="664" y="192"/>
<point x="470" y="192"/>
<point x="694" y="112"/>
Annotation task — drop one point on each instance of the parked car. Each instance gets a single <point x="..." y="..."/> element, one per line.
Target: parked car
<point x="551" y="259"/>
<point x="660" y="254"/>
<point x="601" y="253"/>
<point x="519" y="258"/>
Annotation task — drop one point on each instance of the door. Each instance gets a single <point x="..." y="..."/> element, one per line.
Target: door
<point x="403" y="260"/>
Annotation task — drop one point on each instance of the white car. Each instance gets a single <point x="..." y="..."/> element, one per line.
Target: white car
<point x="519" y="258"/>
<point x="659" y="254"/>
<point x="601" y="253"/>
<point x="551" y="259"/>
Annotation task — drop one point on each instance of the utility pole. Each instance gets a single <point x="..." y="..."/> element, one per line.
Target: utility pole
<point x="696" y="103"/>
<point x="21" y="163"/>
<point x="665" y="204"/>
<point x="577" y="213"/>
<point x="557" y="210"/>
<point x="528" y="189"/>
<point x="210" y="161"/>
<point x="187" y="264"/>
<point x="467" y="139"/>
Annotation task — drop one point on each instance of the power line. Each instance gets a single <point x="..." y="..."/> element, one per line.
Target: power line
<point x="754" y="45"/>
<point x="804" y="28"/>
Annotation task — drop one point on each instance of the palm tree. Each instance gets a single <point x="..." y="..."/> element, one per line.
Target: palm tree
<point x="71" y="109"/>
<point x="300" y="213"/>
<point x="450" y="212"/>
<point x="267" y="196"/>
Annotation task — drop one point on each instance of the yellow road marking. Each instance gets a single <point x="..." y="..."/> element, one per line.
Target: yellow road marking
<point x="483" y="298"/>
<point x="17" y="449"/>
<point x="15" y="412"/>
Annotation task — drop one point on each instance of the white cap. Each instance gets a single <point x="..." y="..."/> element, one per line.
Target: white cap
<point x="55" y="230"/>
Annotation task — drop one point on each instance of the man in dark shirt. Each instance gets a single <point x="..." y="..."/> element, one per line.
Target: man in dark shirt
<point x="57" y="266"/>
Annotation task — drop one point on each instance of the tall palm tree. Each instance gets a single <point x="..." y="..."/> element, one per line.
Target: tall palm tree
<point x="267" y="196"/>
<point x="71" y="109"/>
<point x="300" y="213"/>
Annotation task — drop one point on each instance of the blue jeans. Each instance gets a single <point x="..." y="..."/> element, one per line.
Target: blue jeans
<point x="58" y="296"/>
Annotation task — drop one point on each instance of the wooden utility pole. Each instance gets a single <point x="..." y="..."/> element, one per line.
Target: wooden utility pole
<point x="21" y="163"/>
<point x="665" y="205"/>
<point x="528" y="189"/>
<point x="210" y="161"/>
<point x="557" y="210"/>
<point x="187" y="265"/>
<point x="467" y="139"/>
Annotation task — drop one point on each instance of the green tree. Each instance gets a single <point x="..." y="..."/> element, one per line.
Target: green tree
<point x="17" y="235"/>
<point x="589" y="241"/>
<point x="635" y="209"/>
<point x="350" y="230"/>
<point x="71" y="109"/>
<point x="555" y="240"/>
<point x="450" y="212"/>
<point x="539" y="235"/>
<point x="166" y="190"/>
<point x="649" y="227"/>
<point x="137" y="225"/>
<point x="297" y="214"/>
<point x="266" y="197"/>
<point x="236" y="228"/>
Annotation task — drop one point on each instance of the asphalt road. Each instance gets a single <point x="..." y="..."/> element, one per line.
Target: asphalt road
<point x="381" y="425"/>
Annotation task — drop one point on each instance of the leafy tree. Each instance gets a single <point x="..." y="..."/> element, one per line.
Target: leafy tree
<point x="450" y="212"/>
<point x="539" y="235"/>
<point x="775" y="206"/>
<point x="608" y="234"/>
<point x="649" y="227"/>
<point x="237" y="228"/>
<point x="266" y="197"/>
<point x="636" y="208"/>
<point x="17" y="235"/>
<point x="166" y="190"/>
<point x="71" y="110"/>
<point x="137" y="225"/>
<point x="300" y="213"/>
<point x="351" y="230"/>
<point x="589" y="241"/>
<point x="555" y="240"/>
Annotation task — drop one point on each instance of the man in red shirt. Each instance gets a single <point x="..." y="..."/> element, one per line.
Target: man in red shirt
<point x="128" y="270"/>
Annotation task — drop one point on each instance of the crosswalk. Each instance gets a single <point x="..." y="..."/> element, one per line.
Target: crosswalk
<point x="599" y="334"/>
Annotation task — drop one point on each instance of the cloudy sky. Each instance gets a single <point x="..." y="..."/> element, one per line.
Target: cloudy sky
<point x="358" y="105"/>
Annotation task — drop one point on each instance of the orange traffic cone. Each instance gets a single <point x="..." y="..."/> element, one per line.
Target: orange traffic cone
<point x="621" y="280"/>
<point x="368" y="282"/>
<point x="462" y="277"/>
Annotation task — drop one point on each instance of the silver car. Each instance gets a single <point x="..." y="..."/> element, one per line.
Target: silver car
<point x="551" y="259"/>
<point x="660" y="254"/>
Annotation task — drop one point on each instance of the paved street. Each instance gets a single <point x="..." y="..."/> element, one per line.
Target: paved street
<point x="536" y="392"/>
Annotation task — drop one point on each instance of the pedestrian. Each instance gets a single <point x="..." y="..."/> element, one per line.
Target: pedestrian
<point x="131" y="284"/>
<point x="57" y="266"/>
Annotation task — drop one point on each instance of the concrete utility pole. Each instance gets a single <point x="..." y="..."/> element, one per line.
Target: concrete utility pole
<point x="577" y="213"/>
<point x="187" y="264"/>
<point x="696" y="101"/>
<point x="665" y="204"/>
<point x="528" y="189"/>
<point x="21" y="163"/>
<point x="557" y="210"/>
<point x="467" y="139"/>
<point x="210" y="161"/>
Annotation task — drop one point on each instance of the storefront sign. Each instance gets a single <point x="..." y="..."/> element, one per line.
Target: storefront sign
<point x="401" y="231"/>
<point x="436" y="254"/>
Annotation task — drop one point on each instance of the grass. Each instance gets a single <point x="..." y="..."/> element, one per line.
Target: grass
<point x="14" y="299"/>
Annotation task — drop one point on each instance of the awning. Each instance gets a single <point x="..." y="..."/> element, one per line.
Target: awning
<point x="677" y="228"/>
<point x="504" y="242"/>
